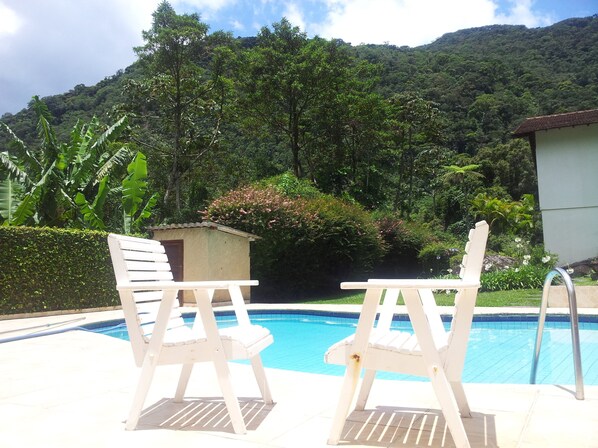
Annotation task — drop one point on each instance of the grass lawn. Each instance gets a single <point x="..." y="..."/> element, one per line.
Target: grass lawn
<point x="515" y="297"/>
<point x="519" y="297"/>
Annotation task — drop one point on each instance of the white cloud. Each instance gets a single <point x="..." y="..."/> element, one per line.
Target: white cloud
<point x="61" y="43"/>
<point x="237" y="26"/>
<point x="213" y="5"/>
<point x="295" y="16"/>
<point x="521" y="13"/>
<point x="415" y="22"/>
<point x="9" y="21"/>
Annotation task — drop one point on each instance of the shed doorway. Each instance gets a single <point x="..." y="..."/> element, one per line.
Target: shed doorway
<point x="175" y="252"/>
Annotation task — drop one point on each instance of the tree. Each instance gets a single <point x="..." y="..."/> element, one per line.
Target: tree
<point x="290" y="85"/>
<point x="174" y="98"/>
<point x="460" y="180"/>
<point x="348" y="151"/>
<point x="344" y="130"/>
<point x="415" y="125"/>
<point x="39" y="186"/>
<point x="509" y="165"/>
<point x="277" y="85"/>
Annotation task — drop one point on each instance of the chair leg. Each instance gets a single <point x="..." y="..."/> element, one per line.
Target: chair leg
<point x="260" y="377"/>
<point x="461" y="398"/>
<point x="230" y="399"/>
<point x="364" y="391"/>
<point x="348" y="390"/>
<point x="183" y="382"/>
<point x="145" y="380"/>
<point x="448" y="404"/>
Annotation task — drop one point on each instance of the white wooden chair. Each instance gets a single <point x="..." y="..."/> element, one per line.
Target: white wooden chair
<point x="159" y="335"/>
<point x="431" y="351"/>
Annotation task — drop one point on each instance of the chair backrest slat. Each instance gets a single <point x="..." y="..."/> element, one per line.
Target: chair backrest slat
<point x="474" y="252"/>
<point x="147" y="266"/>
<point x="465" y="300"/>
<point x="149" y="276"/>
<point x="144" y="256"/>
<point x="141" y="245"/>
<point x="134" y="260"/>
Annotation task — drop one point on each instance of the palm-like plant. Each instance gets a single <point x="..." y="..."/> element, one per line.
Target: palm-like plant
<point x="459" y="174"/>
<point x="39" y="187"/>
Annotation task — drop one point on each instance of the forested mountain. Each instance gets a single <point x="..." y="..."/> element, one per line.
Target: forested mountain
<point x="391" y="127"/>
<point x="546" y="70"/>
<point x="488" y="79"/>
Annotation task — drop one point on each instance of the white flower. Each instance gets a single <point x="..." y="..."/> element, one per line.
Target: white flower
<point x="570" y="271"/>
<point x="488" y="266"/>
<point x="450" y="271"/>
<point x="518" y="240"/>
<point x="527" y="257"/>
<point x="525" y="262"/>
<point x="545" y="259"/>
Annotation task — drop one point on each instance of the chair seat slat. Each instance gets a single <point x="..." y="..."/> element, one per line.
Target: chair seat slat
<point x="147" y="296"/>
<point x="149" y="313"/>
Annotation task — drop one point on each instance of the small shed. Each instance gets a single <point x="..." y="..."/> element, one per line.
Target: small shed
<point x="565" y="149"/>
<point x="206" y="251"/>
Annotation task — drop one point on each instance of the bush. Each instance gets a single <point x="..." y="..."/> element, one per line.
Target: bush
<point x="291" y="186"/>
<point x="306" y="244"/>
<point x="48" y="269"/>
<point x="403" y="242"/>
<point x="440" y="256"/>
<point x="524" y="277"/>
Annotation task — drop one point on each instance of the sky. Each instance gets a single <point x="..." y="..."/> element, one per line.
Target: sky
<point x="47" y="47"/>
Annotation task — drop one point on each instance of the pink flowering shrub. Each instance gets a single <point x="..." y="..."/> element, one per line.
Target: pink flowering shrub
<point x="306" y="245"/>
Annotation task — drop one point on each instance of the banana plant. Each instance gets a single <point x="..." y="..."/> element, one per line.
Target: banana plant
<point x="10" y="191"/>
<point x="134" y="189"/>
<point x="93" y="214"/>
<point x="52" y="178"/>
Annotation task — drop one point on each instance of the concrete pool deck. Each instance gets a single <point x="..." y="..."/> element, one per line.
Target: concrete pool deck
<point x="74" y="389"/>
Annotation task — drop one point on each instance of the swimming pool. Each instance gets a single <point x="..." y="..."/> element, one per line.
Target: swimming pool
<point x="500" y="346"/>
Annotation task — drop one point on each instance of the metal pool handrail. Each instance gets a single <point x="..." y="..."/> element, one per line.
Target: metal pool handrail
<point x="579" y="393"/>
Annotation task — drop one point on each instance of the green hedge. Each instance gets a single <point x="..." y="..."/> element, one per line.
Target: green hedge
<point x="48" y="269"/>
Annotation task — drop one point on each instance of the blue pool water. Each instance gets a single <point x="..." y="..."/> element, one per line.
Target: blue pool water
<point x="500" y="347"/>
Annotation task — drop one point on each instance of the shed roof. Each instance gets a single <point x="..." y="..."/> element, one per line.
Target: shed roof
<point x="208" y="225"/>
<point x="545" y="122"/>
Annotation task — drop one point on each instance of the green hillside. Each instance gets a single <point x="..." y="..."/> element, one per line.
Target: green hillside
<point x="379" y="128"/>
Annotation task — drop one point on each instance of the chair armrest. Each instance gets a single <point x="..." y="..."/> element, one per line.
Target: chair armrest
<point x="185" y="286"/>
<point x="411" y="284"/>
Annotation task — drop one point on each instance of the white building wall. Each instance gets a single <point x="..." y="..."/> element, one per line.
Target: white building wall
<point x="567" y="161"/>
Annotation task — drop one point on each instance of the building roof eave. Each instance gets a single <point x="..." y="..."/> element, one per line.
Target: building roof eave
<point x="546" y="122"/>
<point x="209" y="225"/>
